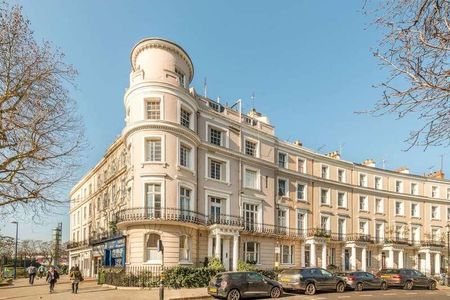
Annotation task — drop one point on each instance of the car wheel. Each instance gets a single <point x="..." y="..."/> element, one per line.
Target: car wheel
<point x="340" y="287"/>
<point x="432" y="286"/>
<point x="408" y="285"/>
<point x="234" y="295"/>
<point x="359" y="286"/>
<point x="275" y="292"/>
<point x="383" y="286"/>
<point x="310" y="289"/>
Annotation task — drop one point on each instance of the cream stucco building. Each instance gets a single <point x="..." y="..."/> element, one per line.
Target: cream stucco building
<point x="209" y="181"/>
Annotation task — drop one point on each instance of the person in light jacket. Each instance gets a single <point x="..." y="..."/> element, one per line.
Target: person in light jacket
<point x="76" y="276"/>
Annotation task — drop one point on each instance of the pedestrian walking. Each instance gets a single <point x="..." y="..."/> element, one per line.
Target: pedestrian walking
<point x="52" y="278"/>
<point x="76" y="277"/>
<point x="31" y="270"/>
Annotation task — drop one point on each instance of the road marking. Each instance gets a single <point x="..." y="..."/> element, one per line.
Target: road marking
<point x="342" y="297"/>
<point x="389" y="294"/>
<point x="410" y="293"/>
<point x="366" y="295"/>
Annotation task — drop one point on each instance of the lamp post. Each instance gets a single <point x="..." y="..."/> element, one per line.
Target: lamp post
<point x="448" y="254"/>
<point x="15" y="250"/>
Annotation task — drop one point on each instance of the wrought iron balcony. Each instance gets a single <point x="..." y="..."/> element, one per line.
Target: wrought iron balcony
<point x="359" y="237"/>
<point x="167" y="214"/>
<point x="432" y="243"/>
<point x="73" y="245"/>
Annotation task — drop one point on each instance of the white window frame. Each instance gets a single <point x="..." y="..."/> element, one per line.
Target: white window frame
<point x="163" y="148"/>
<point x="305" y="220"/>
<point x="414" y="192"/>
<point x="286" y="195"/>
<point x="286" y="162"/>
<point x="225" y="138"/>
<point x="216" y="194"/>
<point x="286" y="211"/>
<point x="257" y="251"/>
<point x="181" y="105"/>
<point x="345" y="199"/>
<point x="148" y="261"/>
<point x="401" y="186"/>
<point x="291" y="254"/>
<point x="227" y="168"/>
<point x="417" y="210"/>
<point x="145" y="99"/>
<point x="364" y="183"/>
<point x="246" y="138"/>
<point x="304" y="165"/>
<point x="381" y="206"/>
<point x="402" y="208"/>
<point x="435" y="191"/>
<point x="328" y="196"/>
<point x="154" y="180"/>
<point x="188" y="241"/>
<point x="366" y="203"/>
<point x="344" y="174"/>
<point x="305" y="191"/>
<point x="189" y="186"/>
<point x="258" y="178"/>
<point x="366" y="229"/>
<point x="328" y="223"/>
<point x="375" y="183"/>
<point x="192" y="155"/>
<point x="438" y="212"/>
<point x="327" y="173"/>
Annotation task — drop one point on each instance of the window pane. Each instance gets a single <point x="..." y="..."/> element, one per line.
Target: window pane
<point x="153" y="110"/>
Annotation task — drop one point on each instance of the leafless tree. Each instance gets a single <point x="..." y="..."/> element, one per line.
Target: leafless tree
<point x="40" y="132"/>
<point x="416" y="48"/>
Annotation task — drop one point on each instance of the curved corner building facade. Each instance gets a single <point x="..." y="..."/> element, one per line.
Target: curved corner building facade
<point x="209" y="181"/>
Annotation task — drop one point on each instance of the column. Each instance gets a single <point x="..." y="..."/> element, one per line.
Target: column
<point x="364" y="259"/>
<point x="353" y="258"/>
<point x="70" y="261"/>
<point x="343" y="259"/>
<point x="437" y="264"/>
<point x="427" y="262"/>
<point x="302" y="255"/>
<point x="210" y="246"/>
<point x="400" y="259"/>
<point x="391" y="259"/>
<point x="217" y="254"/>
<point x="235" y="251"/>
<point x="312" y="253"/>
<point x="324" y="255"/>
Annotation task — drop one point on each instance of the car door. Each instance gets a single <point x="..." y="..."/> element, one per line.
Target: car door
<point x="328" y="280"/>
<point x="420" y="279"/>
<point x="256" y="284"/>
<point x="372" y="282"/>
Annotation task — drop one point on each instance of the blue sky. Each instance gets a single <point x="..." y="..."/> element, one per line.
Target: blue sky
<point x="309" y="64"/>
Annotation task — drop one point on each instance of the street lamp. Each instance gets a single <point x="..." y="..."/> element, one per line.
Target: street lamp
<point x="448" y="254"/>
<point x="15" y="250"/>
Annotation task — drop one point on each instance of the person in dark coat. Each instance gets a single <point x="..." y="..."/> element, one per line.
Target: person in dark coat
<point x="52" y="278"/>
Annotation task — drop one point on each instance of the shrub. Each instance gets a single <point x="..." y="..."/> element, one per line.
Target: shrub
<point x="215" y="264"/>
<point x="244" y="266"/>
<point x="189" y="277"/>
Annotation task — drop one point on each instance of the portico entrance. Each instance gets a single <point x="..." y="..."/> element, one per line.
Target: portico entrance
<point x="223" y="243"/>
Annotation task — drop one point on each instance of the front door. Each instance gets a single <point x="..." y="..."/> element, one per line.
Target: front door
<point x="347" y="260"/>
<point x="225" y="253"/>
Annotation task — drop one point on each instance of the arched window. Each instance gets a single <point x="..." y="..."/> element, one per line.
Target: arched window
<point x="185" y="248"/>
<point x="152" y="254"/>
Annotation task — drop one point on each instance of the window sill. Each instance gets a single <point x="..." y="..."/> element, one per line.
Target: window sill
<point x="185" y="262"/>
<point x="325" y="204"/>
<point x="302" y="200"/>
<point x="364" y="211"/>
<point x="252" y="189"/>
<point x="379" y="213"/>
<point x="186" y="169"/>
<point x="162" y="163"/>
<point x="400" y="215"/>
<point x="343" y="207"/>
<point x="416" y="217"/>
<point x="217" y="180"/>
<point x="435" y="219"/>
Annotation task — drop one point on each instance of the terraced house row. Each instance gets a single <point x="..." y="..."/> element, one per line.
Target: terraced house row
<point x="209" y="181"/>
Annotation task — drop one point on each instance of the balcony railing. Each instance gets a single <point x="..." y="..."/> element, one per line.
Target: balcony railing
<point x="168" y="214"/>
<point x="73" y="245"/>
<point x="102" y="237"/>
<point x="359" y="237"/>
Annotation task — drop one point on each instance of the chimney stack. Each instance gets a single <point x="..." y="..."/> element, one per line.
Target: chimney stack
<point x="436" y="175"/>
<point x="403" y="170"/>
<point x="298" y="143"/>
<point x="334" y="154"/>
<point x="369" y="163"/>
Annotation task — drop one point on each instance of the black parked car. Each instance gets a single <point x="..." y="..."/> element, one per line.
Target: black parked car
<point x="407" y="278"/>
<point x="236" y="285"/>
<point x="360" y="280"/>
<point x="311" y="280"/>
